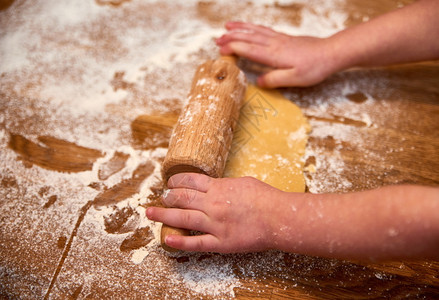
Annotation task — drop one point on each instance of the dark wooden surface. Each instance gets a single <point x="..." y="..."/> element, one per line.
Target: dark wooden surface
<point x="371" y="128"/>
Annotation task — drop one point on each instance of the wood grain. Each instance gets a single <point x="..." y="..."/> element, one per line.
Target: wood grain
<point x="203" y="135"/>
<point x="46" y="244"/>
<point x="305" y="277"/>
<point x="54" y="154"/>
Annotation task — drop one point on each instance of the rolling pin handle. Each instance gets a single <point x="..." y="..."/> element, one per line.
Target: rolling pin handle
<point x="202" y="137"/>
<point x="230" y="58"/>
<point x="168" y="230"/>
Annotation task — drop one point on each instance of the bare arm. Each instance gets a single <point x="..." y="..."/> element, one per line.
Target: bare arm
<point x="396" y="222"/>
<point x="245" y="215"/>
<point x="405" y="35"/>
<point x="408" y="34"/>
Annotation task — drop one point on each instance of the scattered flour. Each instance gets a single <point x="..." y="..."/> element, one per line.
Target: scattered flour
<point x="209" y="277"/>
<point x="139" y="255"/>
<point x="58" y="72"/>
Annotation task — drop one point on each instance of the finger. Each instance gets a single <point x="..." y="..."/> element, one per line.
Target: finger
<point x="279" y="78"/>
<point x="194" y="181"/>
<point x="198" y="243"/>
<point x="245" y="27"/>
<point x="257" y="53"/>
<point x="226" y="50"/>
<point x="288" y="77"/>
<point x="179" y="218"/>
<point x="184" y="198"/>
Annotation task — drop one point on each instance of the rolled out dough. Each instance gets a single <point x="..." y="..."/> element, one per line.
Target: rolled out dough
<point x="269" y="141"/>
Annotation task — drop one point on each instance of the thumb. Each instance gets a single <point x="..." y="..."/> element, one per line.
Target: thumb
<point x="279" y="78"/>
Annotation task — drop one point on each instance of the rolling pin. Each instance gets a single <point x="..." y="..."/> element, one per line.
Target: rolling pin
<point x="201" y="139"/>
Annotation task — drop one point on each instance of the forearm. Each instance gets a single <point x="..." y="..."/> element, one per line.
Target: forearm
<point x="406" y="35"/>
<point x="386" y="223"/>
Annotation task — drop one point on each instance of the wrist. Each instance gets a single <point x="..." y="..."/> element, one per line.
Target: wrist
<point x="289" y="218"/>
<point x="338" y="54"/>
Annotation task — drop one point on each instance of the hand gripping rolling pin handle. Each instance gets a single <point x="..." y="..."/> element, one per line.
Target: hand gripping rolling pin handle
<point x="202" y="137"/>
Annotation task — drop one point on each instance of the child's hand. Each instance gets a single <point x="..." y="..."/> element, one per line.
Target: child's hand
<point x="236" y="214"/>
<point x="297" y="61"/>
<point x="247" y="215"/>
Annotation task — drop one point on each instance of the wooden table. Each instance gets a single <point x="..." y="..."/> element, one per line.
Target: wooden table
<point x="80" y="162"/>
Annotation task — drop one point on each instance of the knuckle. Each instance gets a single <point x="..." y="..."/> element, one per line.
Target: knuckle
<point x="253" y="50"/>
<point x="187" y="180"/>
<point x="172" y="181"/>
<point x="249" y="181"/>
<point x="200" y="245"/>
<point x="186" y="217"/>
<point x="188" y="196"/>
<point x="191" y="220"/>
<point x="180" y="180"/>
<point x="206" y="244"/>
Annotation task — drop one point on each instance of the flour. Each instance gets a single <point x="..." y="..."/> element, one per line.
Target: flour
<point x="322" y="20"/>
<point x="59" y="61"/>
<point x="175" y="41"/>
<point x="211" y="279"/>
<point x="139" y="255"/>
<point x="295" y="136"/>
<point x="202" y="81"/>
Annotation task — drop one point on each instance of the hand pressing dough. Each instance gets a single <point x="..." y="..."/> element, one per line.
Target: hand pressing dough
<point x="269" y="141"/>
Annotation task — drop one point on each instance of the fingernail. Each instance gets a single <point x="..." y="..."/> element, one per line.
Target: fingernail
<point x="149" y="212"/>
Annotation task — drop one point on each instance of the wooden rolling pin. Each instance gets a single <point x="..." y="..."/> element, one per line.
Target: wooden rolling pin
<point x="202" y="137"/>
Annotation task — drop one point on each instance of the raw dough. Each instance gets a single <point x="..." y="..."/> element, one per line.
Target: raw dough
<point x="269" y="141"/>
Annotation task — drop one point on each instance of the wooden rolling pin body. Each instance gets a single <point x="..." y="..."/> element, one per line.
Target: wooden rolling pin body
<point x="202" y="137"/>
